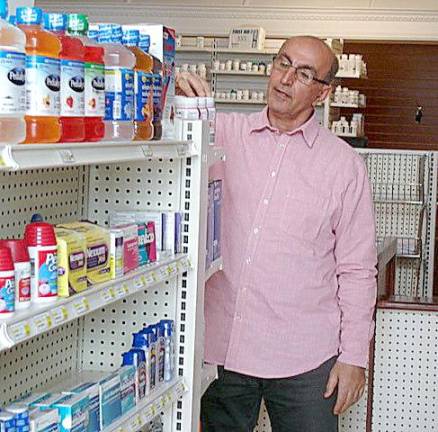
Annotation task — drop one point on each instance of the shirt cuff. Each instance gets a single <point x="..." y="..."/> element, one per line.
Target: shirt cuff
<point x="354" y="359"/>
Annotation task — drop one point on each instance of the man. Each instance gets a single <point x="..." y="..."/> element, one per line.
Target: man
<point x="290" y="318"/>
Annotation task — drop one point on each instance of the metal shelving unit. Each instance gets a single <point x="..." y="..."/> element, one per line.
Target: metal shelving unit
<point x="46" y="344"/>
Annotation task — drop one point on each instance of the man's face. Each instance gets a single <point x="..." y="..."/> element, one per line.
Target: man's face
<point x="288" y="96"/>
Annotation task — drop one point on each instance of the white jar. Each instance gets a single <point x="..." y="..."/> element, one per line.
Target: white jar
<point x="345" y="96"/>
<point x="352" y="63"/>
<point x="354" y="128"/>
<point x="200" y="41"/>
<point x="261" y="96"/>
<point x="221" y="66"/>
<point x="239" y="95"/>
<point x="236" y="64"/>
<point x="211" y="108"/>
<point x="193" y="68"/>
<point x="233" y="95"/>
<point x="362" y="100"/>
<point x="338" y="94"/>
<point x="22" y="284"/>
<point x="262" y="68"/>
<point x="269" y="69"/>
<point x="243" y="66"/>
<point x="185" y="67"/>
<point x="248" y="65"/>
<point x="358" y="61"/>
<point x="254" y="95"/>
<point x="245" y="94"/>
<point x="255" y="67"/>
<point x="216" y="65"/>
<point x="228" y="65"/>
<point x="186" y="108"/>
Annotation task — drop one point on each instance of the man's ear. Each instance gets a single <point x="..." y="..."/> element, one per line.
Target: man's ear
<point x="323" y="95"/>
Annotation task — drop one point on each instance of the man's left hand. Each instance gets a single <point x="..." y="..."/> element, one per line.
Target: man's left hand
<point x="350" y="381"/>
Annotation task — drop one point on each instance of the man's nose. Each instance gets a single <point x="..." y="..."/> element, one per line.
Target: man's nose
<point x="289" y="75"/>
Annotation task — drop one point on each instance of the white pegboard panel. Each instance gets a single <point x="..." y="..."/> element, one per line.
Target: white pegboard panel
<point x="108" y="332"/>
<point x="56" y="193"/>
<point x="263" y="423"/>
<point x="38" y="362"/>
<point x="406" y="372"/>
<point x="133" y="186"/>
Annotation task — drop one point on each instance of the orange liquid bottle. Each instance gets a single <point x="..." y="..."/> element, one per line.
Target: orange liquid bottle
<point x="42" y="78"/>
<point x="143" y="90"/>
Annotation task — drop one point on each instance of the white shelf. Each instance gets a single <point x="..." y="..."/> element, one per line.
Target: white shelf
<point x="240" y="72"/>
<point x="247" y="51"/>
<point x="215" y="266"/>
<point x="194" y="49"/>
<point x="215" y="154"/>
<point x="33" y="156"/>
<point x="356" y="74"/>
<point x="208" y="375"/>
<point x="349" y="136"/>
<point x="38" y="319"/>
<point x="235" y="101"/>
<point x="159" y="401"/>
<point x="342" y="105"/>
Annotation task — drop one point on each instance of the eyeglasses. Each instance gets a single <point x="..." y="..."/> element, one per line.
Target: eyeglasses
<point x="304" y="74"/>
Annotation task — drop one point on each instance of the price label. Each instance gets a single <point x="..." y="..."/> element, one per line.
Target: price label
<point x="81" y="306"/>
<point x="67" y="156"/>
<point x="125" y="288"/>
<point x="150" y="278"/>
<point x="135" y="423"/>
<point x="139" y="283"/>
<point x="107" y="295"/>
<point x="172" y="269"/>
<point x="59" y="315"/>
<point x="147" y="151"/>
<point x="42" y="322"/>
<point x="119" y="292"/>
<point x="181" y="150"/>
<point x="143" y="280"/>
<point x="163" y="273"/>
<point x="20" y="331"/>
<point x="2" y="161"/>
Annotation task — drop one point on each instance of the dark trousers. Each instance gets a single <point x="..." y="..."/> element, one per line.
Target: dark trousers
<point x="296" y="404"/>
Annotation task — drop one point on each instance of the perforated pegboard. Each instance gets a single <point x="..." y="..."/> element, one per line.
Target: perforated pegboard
<point x="108" y="332"/>
<point x="133" y="186"/>
<point x="38" y="362"/>
<point x="406" y="372"/>
<point x="56" y="193"/>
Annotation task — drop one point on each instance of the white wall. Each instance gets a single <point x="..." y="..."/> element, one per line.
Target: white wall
<point x="352" y="19"/>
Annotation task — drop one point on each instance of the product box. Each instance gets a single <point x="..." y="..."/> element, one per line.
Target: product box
<point x="44" y="421"/>
<point x="116" y="253"/>
<point x="210" y="226"/>
<point x="127" y="388"/>
<point x="172" y="235"/>
<point x="73" y="413"/>
<point x="91" y="389"/>
<point x="72" y="262"/>
<point x="129" y="217"/>
<point x="143" y="257"/>
<point x="162" y="47"/>
<point x="98" y="246"/>
<point x="130" y="246"/>
<point x="48" y="402"/>
<point x="33" y="398"/>
<point x="109" y="399"/>
<point x="150" y="243"/>
<point x="217" y="196"/>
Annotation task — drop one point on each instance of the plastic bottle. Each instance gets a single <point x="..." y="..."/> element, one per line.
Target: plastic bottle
<point x="161" y="351"/>
<point x="72" y="79"/>
<point x="136" y="357"/>
<point x="12" y="72"/>
<point x="41" y="243"/>
<point x="143" y="91"/>
<point x="42" y="78"/>
<point x="169" y="359"/>
<point x="152" y="342"/>
<point x="140" y="341"/>
<point x="119" y="84"/>
<point x="77" y="25"/>
<point x="7" y="283"/>
<point x="22" y="268"/>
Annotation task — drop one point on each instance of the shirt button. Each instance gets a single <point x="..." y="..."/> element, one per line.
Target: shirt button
<point x="248" y="260"/>
<point x="282" y="145"/>
<point x="273" y="174"/>
<point x="238" y="316"/>
<point x="265" y="201"/>
<point x="256" y="231"/>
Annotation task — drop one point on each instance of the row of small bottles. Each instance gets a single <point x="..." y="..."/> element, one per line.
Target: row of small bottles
<point x="65" y="86"/>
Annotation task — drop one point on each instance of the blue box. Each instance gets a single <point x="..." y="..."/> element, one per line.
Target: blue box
<point x="109" y="400"/>
<point x="127" y="388"/>
<point x="73" y="413"/>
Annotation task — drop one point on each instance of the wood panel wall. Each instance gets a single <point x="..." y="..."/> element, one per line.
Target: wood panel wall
<point x="400" y="77"/>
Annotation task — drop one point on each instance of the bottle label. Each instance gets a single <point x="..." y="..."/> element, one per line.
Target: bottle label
<point x="161" y="355"/>
<point x="22" y="282"/>
<point x="94" y="90"/>
<point x="47" y="274"/>
<point x="119" y="94"/>
<point x="144" y="104"/>
<point x="42" y="86"/>
<point x="72" y="88"/>
<point x="7" y="294"/>
<point x="157" y="83"/>
<point x="12" y="89"/>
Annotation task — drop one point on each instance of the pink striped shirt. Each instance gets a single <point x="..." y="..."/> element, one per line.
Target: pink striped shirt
<point x="298" y="243"/>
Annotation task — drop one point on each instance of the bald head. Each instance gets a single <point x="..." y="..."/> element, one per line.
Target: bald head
<point x="327" y="62"/>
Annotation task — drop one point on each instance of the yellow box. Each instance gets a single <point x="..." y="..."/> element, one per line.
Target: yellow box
<point x="98" y="247"/>
<point x="72" y="262"/>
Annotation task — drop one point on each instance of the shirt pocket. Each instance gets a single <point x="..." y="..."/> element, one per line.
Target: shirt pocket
<point x="305" y="214"/>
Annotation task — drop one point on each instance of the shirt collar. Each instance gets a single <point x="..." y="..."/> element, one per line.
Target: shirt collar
<point x="309" y="129"/>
